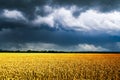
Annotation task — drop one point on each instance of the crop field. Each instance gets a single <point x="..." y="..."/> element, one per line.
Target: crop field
<point x="47" y="66"/>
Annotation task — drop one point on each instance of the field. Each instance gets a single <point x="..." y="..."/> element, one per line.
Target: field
<point x="26" y="66"/>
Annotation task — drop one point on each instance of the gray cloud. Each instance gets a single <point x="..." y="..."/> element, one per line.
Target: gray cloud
<point x="103" y="5"/>
<point x="60" y="23"/>
<point x="21" y="36"/>
<point x="51" y="46"/>
<point x="28" y="6"/>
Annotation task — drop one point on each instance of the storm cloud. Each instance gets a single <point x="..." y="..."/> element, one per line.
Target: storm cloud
<point x="29" y="5"/>
<point x="77" y="25"/>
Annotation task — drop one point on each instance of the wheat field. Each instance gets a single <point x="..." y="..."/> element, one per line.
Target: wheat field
<point x="41" y="66"/>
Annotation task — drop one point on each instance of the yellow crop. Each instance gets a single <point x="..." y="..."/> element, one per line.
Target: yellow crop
<point x="26" y="66"/>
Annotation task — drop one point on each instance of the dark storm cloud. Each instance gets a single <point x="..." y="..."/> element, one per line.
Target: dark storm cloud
<point x="50" y="35"/>
<point x="103" y="5"/>
<point x="11" y="24"/>
<point x="28" y="6"/>
<point x="16" y="36"/>
<point x="14" y="32"/>
<point x="25" y="5"/>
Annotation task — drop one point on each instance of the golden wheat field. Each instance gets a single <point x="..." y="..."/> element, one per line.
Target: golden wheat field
<point x="26" y="66"/>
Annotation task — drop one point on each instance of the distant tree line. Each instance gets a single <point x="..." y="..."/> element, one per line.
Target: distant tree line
<point x="31" y="51"/>
<point x="52" y="51"/>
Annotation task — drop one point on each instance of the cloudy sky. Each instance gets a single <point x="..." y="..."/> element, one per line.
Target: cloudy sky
<point x="67" y="25"/>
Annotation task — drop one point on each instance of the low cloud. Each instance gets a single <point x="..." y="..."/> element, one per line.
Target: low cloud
<point x="48" y="46"/>
<point x="90" y="47"/>
<point x="51" y="46"/>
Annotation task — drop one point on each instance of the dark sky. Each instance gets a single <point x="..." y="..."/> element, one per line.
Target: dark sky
<point x="68" y="25"/>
